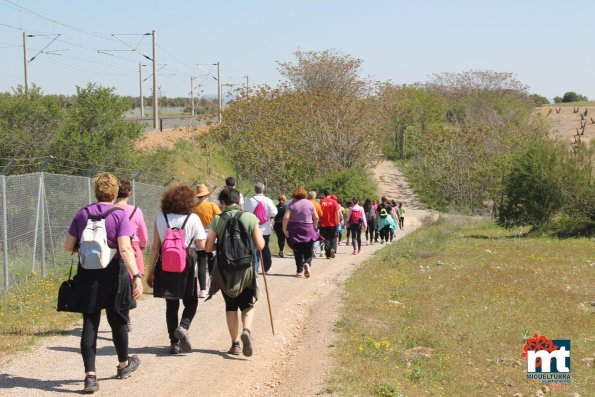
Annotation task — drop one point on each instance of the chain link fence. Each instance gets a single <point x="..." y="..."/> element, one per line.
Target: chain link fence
<point x="35" y="213"/>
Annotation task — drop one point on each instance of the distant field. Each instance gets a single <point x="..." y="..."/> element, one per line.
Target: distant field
<point x="565" y="124"/>
<point x="571" y="104"/>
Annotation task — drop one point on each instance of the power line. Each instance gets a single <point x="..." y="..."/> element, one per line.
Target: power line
<point x="91" y="33"/>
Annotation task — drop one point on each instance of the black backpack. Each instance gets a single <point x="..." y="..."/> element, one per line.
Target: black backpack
<point x="235" y="247"/>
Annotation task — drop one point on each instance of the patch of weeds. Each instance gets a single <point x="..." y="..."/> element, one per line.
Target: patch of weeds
<point x="384" y="390"/>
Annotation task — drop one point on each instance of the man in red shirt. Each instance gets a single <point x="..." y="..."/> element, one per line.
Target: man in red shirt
<point x="328" y="223"/>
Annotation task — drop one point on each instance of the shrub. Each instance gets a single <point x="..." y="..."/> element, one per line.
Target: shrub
<point x="346" y="184"/>
<point x="531" y="195"/>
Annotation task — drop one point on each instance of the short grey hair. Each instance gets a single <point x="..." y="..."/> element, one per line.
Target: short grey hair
<point x="312" y="195"/>
<point x="259" y="187"/>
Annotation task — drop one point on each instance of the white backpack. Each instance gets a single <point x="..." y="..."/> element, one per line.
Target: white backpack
<point x="93" y="249"/>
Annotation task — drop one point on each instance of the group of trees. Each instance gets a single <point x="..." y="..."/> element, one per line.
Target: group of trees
<point x="89" y="130"/>
<point x="320" y="121"/>
<point x="570" y="96"/>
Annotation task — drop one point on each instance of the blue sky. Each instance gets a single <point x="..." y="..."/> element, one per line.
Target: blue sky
<point x="546" y="44"/>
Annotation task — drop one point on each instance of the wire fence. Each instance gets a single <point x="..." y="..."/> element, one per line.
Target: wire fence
<point x="35" y="213"/>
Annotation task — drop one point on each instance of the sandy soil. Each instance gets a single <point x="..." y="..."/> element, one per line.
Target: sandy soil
<point x="566" y="123"/>
<point x="293" y="362"/>
<point x="168" y="138"/>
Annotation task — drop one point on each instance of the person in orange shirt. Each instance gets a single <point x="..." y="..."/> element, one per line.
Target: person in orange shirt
<point x="312" y="198"/>
<point x="206" y="211"/>
<point x="329" y="221"/>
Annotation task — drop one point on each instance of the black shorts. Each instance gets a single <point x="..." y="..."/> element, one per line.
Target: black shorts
<point x="243" y="301"/>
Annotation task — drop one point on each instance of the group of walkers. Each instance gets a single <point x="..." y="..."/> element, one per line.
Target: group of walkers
<point x="191" y="235"/>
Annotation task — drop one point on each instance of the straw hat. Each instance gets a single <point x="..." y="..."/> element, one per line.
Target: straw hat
<point x="202" y="190"/>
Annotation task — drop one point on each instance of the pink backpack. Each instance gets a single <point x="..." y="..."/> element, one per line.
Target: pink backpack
<point x="173" y="249"/>
<point x="261" y="213"/>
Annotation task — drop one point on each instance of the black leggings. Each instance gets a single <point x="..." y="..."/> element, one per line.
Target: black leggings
<point x="302" y="252"/>
<point x="280" y="239"/>
<point x="171" y="314"/>
<point x="384" y="233"/>
<point x="89" y="337"/>
<point x="370" y="231"/>
<point x="356" y="237"/>
<point x="201" y="262"/>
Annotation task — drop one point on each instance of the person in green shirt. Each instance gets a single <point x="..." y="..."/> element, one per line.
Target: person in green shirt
<point x="401" y="214"/>
<point x="239" y="288"/>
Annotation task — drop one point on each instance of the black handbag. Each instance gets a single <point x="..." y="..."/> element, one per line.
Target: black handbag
<point x="68" y="294"/>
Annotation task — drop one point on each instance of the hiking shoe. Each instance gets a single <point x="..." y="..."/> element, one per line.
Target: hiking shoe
<point x="280" y="254"/>
<point x="182" y="334"/>
<point x="174" y="348"/>
<point x="202" y="293"/>
<point x="125" y="372"/>
<point x="332" y="253"/>
<point x="246" y="342"/>
<point x="234" y="349"/>
<point x="306" y="270"/>
<point x="91" y="385"/>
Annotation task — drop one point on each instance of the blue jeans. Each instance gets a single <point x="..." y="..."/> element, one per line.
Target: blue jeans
<point x="266" y="256"/>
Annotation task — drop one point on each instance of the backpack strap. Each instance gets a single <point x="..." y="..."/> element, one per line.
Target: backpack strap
<point x="166" y="220"/>
<point x="133" y="212"/>
<point x="101" y="215"/>
<point x="185" y="220"/>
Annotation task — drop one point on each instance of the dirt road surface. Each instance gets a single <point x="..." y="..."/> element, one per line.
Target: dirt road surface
<point x="293" y="362"/>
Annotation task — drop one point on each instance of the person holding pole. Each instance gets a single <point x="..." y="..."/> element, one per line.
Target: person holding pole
<point x="239" y="287"/>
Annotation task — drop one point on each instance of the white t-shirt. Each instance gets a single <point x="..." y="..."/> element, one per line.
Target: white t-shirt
<point x="269" y="207"/>
<point x="192" y="231"/>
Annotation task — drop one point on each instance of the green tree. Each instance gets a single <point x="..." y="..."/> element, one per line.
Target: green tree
<point x="539" y="99"/>
<point x="322" y="119"/>
<point x="95" y="131"/>
<point x="28" y="124"/>
<point x="532" y="196"/>
<point x="572" y="96"/>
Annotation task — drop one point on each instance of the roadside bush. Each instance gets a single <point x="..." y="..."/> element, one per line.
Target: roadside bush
<point x="531" y="195"/>
<point x="346" y="184"/>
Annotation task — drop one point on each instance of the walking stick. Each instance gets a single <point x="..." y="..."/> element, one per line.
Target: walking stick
<point x="266" y="288"/>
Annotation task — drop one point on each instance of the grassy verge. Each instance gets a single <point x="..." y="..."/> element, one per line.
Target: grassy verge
<point x="443" y="312"/>
<point x="28" y="312"/>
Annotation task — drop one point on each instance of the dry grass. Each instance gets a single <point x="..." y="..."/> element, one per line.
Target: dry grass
<point x="444" y="311"/>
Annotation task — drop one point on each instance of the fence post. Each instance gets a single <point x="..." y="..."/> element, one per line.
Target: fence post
<point x="5" y="172"/>
<point x="134" y="176"/>
<point x="90" y="173"/>
<point x="40" y="208"/>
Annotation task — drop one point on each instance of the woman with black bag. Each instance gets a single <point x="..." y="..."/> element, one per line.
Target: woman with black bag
<point x="103" y="281"/>
<point x="176" y="214"/>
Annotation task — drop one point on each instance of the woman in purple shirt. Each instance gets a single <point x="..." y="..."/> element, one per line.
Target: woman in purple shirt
<point x="109" y="288"/>
<point x="299" y="225"/>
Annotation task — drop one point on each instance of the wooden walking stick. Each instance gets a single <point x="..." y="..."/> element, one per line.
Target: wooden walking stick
<point x="266" y="288"/>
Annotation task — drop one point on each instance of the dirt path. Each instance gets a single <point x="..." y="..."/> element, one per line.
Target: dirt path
<point x="294" y="362"/>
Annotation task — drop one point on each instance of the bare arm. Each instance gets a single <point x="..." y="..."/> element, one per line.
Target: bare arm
<point x="286" y="221"/>
<point x="210" y="241"/>
<point x="127" y="254"/>
<point x="315" y="219"/>
<point x="257" y="238"/>
<point x="155" y="247"/>
<point x="200" y="244"/>
<point x="70" y="245"/>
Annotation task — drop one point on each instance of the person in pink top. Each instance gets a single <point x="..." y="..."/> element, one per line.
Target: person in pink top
<point x="356" y="221"/>
<point x="137" y="223"/>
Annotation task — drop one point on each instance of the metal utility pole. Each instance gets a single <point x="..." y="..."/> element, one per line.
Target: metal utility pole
<point x="155" y="104"/>
<point x="26" y="63"/>
<point x="192" y="93"/>
<point x="140" y="82"/>
<point x="247" y="86"/>
<point x="219" y="96"/>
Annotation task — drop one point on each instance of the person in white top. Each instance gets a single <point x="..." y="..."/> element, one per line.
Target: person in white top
<point x="176" y="204"/>
<point x="230" y="182"/>
<point x="266" y="227"/>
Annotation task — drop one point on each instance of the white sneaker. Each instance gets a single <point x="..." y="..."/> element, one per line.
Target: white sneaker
<point x="202" y="293"/>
